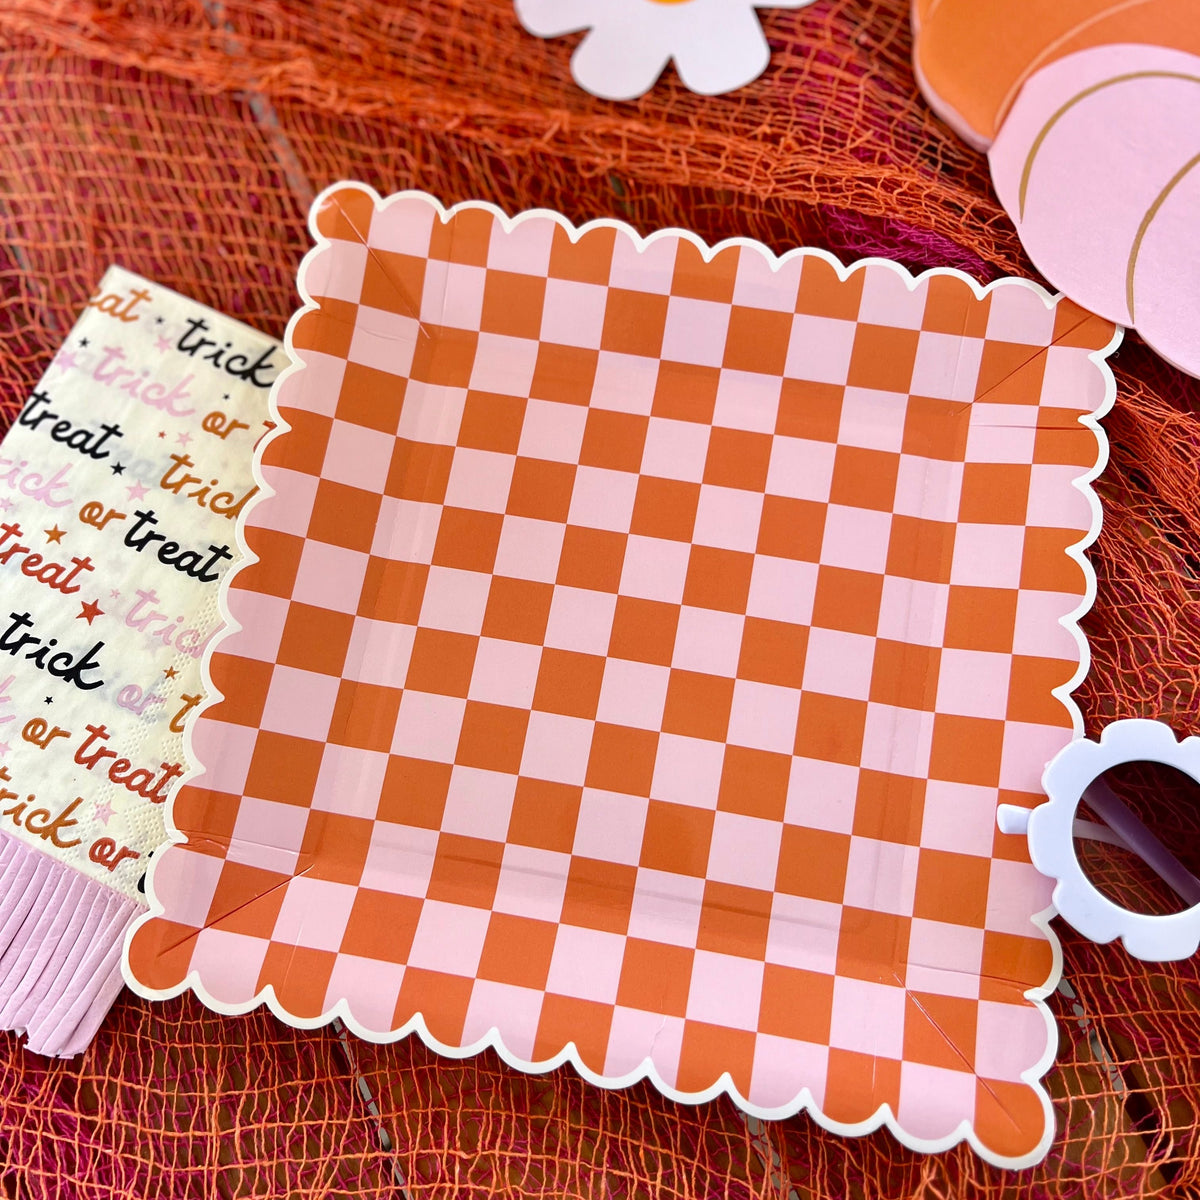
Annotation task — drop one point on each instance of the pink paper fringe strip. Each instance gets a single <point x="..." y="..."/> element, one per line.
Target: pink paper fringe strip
<point x="60" y="950"/>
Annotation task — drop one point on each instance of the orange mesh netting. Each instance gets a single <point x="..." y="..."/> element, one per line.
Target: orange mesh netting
<point x="184" y="140"/>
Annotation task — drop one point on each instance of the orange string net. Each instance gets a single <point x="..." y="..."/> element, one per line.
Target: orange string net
<point x="184" y="139"/>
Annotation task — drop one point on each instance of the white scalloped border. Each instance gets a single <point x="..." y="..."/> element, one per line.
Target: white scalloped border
<point x="804" y="1101"/>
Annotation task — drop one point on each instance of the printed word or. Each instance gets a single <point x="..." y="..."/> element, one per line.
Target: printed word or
<point x="221" y="426"/>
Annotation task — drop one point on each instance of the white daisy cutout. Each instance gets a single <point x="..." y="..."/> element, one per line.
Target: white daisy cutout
<point x="717" y="45"/>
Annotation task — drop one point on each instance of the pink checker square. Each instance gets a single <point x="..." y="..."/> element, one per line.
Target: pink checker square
<point x="405" y="226"/>
<point x="930" y="488"/>
<point x="1021" y="315"/>
<point x="581" y="620"/>
<point x="747" y="400"/>
<point x="897" y="741"/>
<point x="778" y="1062"/>
<point x="379" y="652"/>
<point x="744" y="851"/>
<point x="1060" y="377"/>
<point x="1006" y="1036"/>
<point x="868" y="1018"/>
<point x="666" y="907"/>
<point x="707" y="641"/>
<point x="947" y="367"/>
<point x="763" y="716"/>
<point x="428" y="726"/>
<point x="586" y="963"/>
<point x="573" y="313"/>
<point x="431" y="413"/>
<point x="453" y="294"/>
<point x="888" y="299"/>
<point x="609" y="826"/>
<point x="933" y="1100"/>
<point x="675" y="449"/>
<point x="655" y="569"/>
<point x="532" y="883"/>
<point x="314" y="913"/>
<point x="728" y="518"/>
<point x="511" y="1011"/>
<point x="687" y="770"/>
<point x="479" y="479"/>
<point x="695" y="331"/>
<point x="803" y="933"/>
<point x="988" y="556"/>
<point x="399" y="859"/>
<point x="1005" y="914"/>
<point x="838" y="663"/>
<point x="339" y="276"/>
<point x="726" y="990"/>
<point x="959" y="817"/>
<point x="505" y="672"/>
<point x="190" y="888"/>
<point x="386" y="341"/>
<point x="644" y="266"/>
<point x="881" y="876"/>
<point x="530" y="549"/>
<point x="226" y="753"/>
<point x="763" y="284"/>
<point x="1026" y="751"/>
<point x="820" y="349"/>
<point x="603" y="499"/>
<point x="974" y="683"/>
<point x="1054" y="503"/>
<point x="455" y="600"/>
<point x="449" y="938"/>
<point x="1001" y="433"/>
<point x="328" y="371"/>
<point x="479" y="803"/>
<point x="856" y="538"/>
<point x="633" y="1029"/>
<point x="552" y="431"/>
<point x="368" y="988"/>
<point x="822" y="795"/>
<point x="872" y="420"/>
<point x="296" y="492"/>
<point x="633" y="694"/>
<point x="267" y="616"/>
<point x="944" y="959"/>
<point x="330" y="577"/>
<point x="801" y="468"/>
<point x="349" y="781"/>
<point x="524" y="248"/>
<point x="406" y="530"/>
<point x="556" y="748"/>
<point x="504" y="365"/>
<point x="300" y="703"/>
<point x="232" y="961"/>
<point x="624" y="383"/>
<point x="1039" y="630"/>
<point x="913" y="610"/>
<point x="782" y="589"/>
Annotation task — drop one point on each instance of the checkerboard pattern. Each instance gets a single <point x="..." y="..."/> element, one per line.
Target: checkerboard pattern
<point x="638" y="651"/>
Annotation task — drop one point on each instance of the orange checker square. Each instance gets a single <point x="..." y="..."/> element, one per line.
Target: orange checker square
<point x="393" y="281"/>
<point x="790" y="528"/>
<point x="857" y="1084"/>
<point x="831" y="728"/>
<point x="940" y="1030"/>
<point x="847" y="600"/>
<point x="393" y="590"/>
<point x="665" y="508"/>
<point x="328" y="329"/>
<point x="634" y="323"/>
<point x="243" y="684"/>
<point x="467" y="539"/>
<point x="812" y="863"/>
<point x="889" y="808"/>
<point x="300" y="977"/>
<point x="414" y="792"/>
<point x="905" y="675"/>
<point x="995" y="493"/>
<point x="655" y="977"/>
<point x="796" y="1004"/>
<point x="824" y="293"/>
<point x="568" y="683"/>
<point x="873" y="946"/>
<point x="644" y="631"/>
<point x="614" y="440"/>
<point x="686" y="392"/>
<point x="864" y="478"/>
<point x="463" y="238"/>
<point x="952" y="307"/>
<point x="284" y="768"/>
<point x="622" y="759"/>
<point x="491" y="422"/>
<point x="512" y="304"/>
<point x="1061" y="438"/>
<point x="1009" y="1117"/>
<point x="1012" y="965"/>
<point x="1045" y="564"/>
<point x="540" y="489"/>
<point x="346" y="216"/>
<point x="676" y="838"/>
<point x="808" y="410"/>
<point x="584" y="1023"/>
<point x="773" y="652"/>
<point x="344" y="516"/>
<point x="1030" y="690"/>
<point x="565" y="374"/>
<point x="718" y="579"/>
<point x="936" y="428"/>
<point x="465" y="871"/>
<point x="757" y="340"/>
<point x="381" y="926"/>
<point x="441" y="1000"/>
<point x="920" y="549"/>
<point x="364" y="715"/>
<point x="419" y="471"/>
<point x="734" y="920"/>
<point x="315" y="639"/>
<point x="1076" y="327"/>
<point x="160" y="952"/>
<point x="1010" y="373"/>
<point x="371" y="397"/>
<point x="274" y="574"/>
<point x="952" y="888"/>
<point x="980" y="618"/>
<point x="585" y="259"/>
<point x="599" y="895"/>
<point x="444" y="356"/>
<point x="492" y="737"/>
<point x="698" y="705"/>
<point x="441" y="662"/>
<point x="700" y="279"/>
<point x="246" y="900"/>
<point x="517" y="951"/>
<point x="883" y="358"/>
<point x="738" y="458"/>
<point x="708" y="1050"/>
<point x="544" y="815"/>
<point x="966" y="750"/>
<point x="335" y="847"/>
<point x="754" y="783"/>
<point x="591" y="558"/>
<point x="306" y="451"/>
<point x="209" y="815"/>
<point x="518" y="610"/>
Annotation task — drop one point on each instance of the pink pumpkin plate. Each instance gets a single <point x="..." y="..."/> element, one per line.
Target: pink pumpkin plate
<point x="641" y="639"/>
